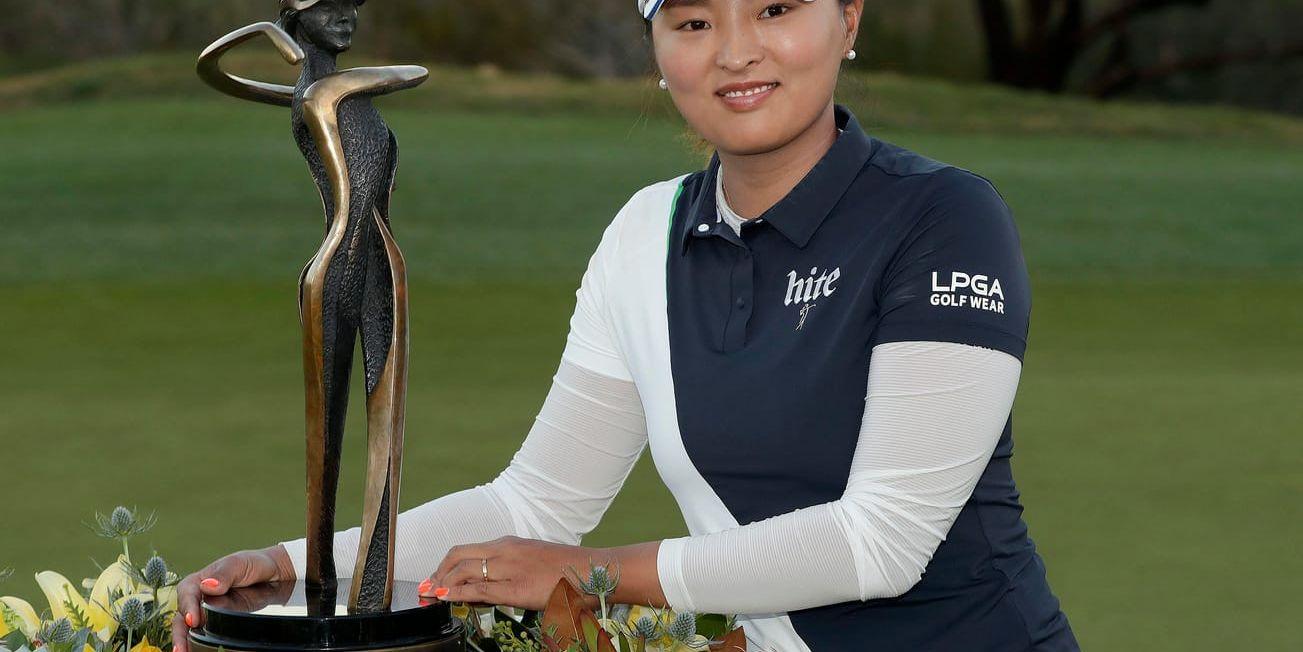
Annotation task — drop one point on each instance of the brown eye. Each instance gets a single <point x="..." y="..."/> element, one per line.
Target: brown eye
<point x="773" y="11"/>
<point x="694" y="25"/>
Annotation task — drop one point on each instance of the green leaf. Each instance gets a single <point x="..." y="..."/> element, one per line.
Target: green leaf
<point x="76" y="616"/>
<point x="14" y="640"/>
<point x="712" y="626"/>
<point x="590" y="633"/>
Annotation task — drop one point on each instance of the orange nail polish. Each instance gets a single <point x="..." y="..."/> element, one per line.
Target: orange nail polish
<point x="209" y="583"/>
<point x="424" y="586"/>
<point x="441" y="592"/>
<point x="189" y="620"/>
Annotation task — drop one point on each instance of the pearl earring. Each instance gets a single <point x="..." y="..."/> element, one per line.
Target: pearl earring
<point x="850" y="55"/>
<point x="665" y="86"/>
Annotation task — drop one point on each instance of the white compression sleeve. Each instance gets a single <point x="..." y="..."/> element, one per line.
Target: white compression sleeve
<point x="581" y="448"/>
<point x="933" y="415"/>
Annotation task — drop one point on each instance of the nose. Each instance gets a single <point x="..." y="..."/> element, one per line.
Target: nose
<point x="741" y="46"/>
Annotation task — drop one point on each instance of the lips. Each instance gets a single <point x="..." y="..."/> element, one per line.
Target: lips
<point x="751" y="91"/>
<point x="746" y="95"/>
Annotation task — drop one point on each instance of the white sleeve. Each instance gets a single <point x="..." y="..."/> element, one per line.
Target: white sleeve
<point x="591" y="343"/>
<point x="582" y="446"/>
<point x="934" y="412"/>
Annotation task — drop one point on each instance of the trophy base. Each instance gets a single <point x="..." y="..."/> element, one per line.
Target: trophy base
<point x="293" y="617"/>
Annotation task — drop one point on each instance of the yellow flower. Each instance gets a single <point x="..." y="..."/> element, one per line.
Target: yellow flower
<point x="167" y="596"/>
<point x="144" y="646"/>
<point x="115" y="578"/>
<point x="19" y="612"/>
<point x="63" y="598"/>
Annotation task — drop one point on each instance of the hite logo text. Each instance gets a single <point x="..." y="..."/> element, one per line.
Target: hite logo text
<point x="806" y="290"/>
<point x="968" y="290"/>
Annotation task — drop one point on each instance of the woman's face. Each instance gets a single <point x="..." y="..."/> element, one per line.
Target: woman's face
<point x="329" y="24"/>
<point x="788" y="52"/>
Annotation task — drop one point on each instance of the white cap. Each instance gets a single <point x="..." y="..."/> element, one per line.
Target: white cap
<point x="648" y="8"/>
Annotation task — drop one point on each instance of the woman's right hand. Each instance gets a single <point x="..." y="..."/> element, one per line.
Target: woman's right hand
<point x="244" y="568"/>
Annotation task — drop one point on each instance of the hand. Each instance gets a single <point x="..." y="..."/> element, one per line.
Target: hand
<point x="522" y="572"/>
<point x="235" y="570"/>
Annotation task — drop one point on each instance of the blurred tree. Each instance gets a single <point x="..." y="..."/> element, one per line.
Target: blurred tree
<point x="1039" y="43"/>
<point x="1163" y="49"/>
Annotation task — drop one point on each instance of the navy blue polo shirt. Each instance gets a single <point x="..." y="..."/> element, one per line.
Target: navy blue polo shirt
<point x="751" y="355"/>
<point x="771" y="334"/>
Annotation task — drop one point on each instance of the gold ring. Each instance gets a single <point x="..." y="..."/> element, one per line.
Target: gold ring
<point x="484" y="569"/>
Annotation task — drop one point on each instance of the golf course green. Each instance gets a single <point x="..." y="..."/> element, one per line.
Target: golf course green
<point x="150" y="247"/>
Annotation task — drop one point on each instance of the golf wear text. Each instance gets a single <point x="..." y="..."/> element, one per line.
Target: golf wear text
<point x="982" y="292"/>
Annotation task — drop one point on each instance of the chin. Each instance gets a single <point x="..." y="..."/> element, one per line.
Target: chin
<point x="743" y="134"/>
<point x="333" y="44"/>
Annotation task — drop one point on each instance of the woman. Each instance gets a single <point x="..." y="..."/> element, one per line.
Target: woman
<point x="820" y="337"/>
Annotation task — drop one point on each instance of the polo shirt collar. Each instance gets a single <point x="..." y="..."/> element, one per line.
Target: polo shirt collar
<point x="800" y="213"/>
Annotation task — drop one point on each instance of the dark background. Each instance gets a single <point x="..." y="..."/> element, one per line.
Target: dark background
<point x="1245" y="52"/>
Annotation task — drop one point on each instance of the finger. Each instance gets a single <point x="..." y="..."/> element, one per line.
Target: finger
<point x="215" y="579"/>
<point x="187" y="600"/>
<point x="462" y="571"/>
<point x="457" y="554"/>
<point x="222" y="575"/>
<point x="498" y="593"/>
<point x="180" y="633"/>
<point x="473" y="570"/>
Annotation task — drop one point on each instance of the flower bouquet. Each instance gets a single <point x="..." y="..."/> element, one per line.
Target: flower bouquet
<point x="128" y="608"/>
<point x="567" y="624"/>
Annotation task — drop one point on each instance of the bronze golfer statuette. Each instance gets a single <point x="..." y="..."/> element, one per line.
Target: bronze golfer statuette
<point x="355" y="285"/>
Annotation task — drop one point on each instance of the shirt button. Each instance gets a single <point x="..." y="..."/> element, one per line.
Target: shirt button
<point x="741" y="303"/>
<point x="702" y="228"/>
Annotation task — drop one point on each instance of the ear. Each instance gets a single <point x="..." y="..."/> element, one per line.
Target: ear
<point x="851" y="13"/>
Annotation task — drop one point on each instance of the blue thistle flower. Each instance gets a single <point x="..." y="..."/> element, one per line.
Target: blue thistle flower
<point x="132" y="614"/>
<point x="645" y="627"/>
<point x="684" y="627"/>
<point x="156" y="572"/>
<point x="121" y="525"/>
<point x="58" y="632"/>
<point x="122" y="519"/>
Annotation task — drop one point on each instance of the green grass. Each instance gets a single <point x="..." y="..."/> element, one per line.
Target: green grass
<point x="895" y="102"/>
<point x="149" y="249"/>
<point x="138" y="189"/>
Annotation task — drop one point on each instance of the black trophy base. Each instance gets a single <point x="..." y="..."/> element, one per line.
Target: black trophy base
<point x="292" y="617"/>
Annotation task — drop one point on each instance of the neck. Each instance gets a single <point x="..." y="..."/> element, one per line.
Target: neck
<point x="755" y="182"/>
<point x="317" y="62"/>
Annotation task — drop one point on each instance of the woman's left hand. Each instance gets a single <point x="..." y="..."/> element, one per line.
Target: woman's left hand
<point x="522" y="572"/>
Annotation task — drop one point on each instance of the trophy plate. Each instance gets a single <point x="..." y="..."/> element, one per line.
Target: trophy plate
<point x="276" y="617"/>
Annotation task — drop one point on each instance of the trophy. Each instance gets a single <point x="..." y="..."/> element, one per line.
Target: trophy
<point x="355" y="286"/>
